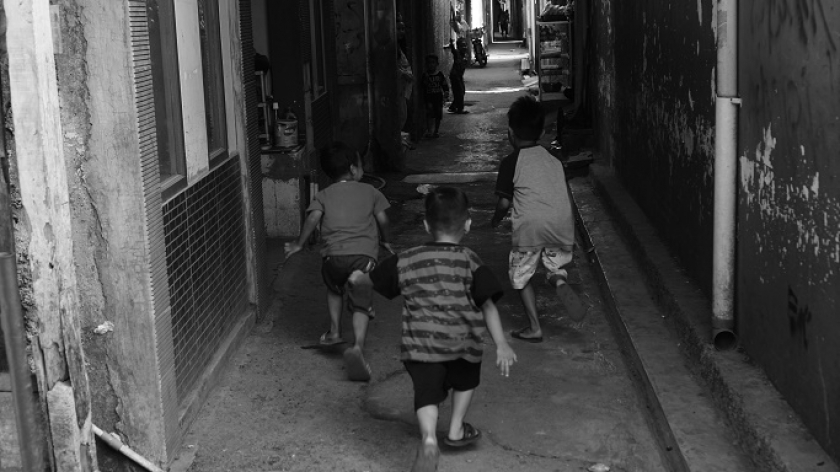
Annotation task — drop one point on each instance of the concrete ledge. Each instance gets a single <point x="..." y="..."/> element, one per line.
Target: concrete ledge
<point x="192" y="405"/>
<point x="770" y="431"/>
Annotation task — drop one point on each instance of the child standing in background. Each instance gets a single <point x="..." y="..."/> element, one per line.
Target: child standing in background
<point x="435" y="92"/>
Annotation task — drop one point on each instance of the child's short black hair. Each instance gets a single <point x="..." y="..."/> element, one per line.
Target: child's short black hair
<point x="337" y="158"/>
<point x="432" y="57"/>
<point x="526" y="118"/>
<point x="447" y="209"/>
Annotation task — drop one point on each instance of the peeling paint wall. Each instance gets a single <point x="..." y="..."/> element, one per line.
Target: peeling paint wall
<point x="661" y="129"/>
<point x="655" y="71"/>
<point x="789" y="203"/>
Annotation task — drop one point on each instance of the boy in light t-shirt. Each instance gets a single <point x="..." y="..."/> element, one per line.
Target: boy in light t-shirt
<point x="532" y="182"/>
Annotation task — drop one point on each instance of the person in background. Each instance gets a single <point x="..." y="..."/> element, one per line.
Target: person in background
<point x="435" y="91"/>
<point x="504" y="22"/>
<point x="406" y="79"/>
<point x="456" y="78"/>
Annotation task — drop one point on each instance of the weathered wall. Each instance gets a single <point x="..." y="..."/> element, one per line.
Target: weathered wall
<point x="789" y="203"/>
<point x="664" y="119"/>
<point x="352" y="127"/>
<point x="603" y="86"/>
<point x="655" y="120"/>
<point x="104" y="150"/>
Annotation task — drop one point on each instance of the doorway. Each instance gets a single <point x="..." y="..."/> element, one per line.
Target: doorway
<point x="505" y="20"/>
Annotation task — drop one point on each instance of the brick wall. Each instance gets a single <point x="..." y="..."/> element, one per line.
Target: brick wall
<point x="205" y="259"/>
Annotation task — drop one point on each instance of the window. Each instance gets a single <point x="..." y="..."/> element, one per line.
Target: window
<point x="318" y="72"/>
<point x="214" y="82"/>
<point x="166" y="82"/>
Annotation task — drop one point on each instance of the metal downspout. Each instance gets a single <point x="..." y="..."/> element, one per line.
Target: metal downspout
<point x="725" y="196"/>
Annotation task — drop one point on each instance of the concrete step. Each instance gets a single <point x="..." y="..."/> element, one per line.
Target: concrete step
<point x="675" y="342"/>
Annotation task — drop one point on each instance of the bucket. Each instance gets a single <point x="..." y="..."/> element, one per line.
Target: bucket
<point x="286" y="134"/>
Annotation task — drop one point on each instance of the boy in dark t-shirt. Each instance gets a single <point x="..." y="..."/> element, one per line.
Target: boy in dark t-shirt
<point x="349" y="213"/>
<point x="435" y="91"/>
<point x="449" y="304"/>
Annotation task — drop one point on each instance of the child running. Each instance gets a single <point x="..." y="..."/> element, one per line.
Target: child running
<point x="533" y="182"/>
<point x="435" y="91"/>
<point x="449" y="304"/>
<point x="348" y="212"/>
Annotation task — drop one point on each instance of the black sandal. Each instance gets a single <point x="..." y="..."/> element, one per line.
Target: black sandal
<point x="471" y="435"/>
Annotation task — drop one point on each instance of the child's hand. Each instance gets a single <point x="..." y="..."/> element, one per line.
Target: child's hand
<point x="505" y="357"/>
<point x="290" y="248"/>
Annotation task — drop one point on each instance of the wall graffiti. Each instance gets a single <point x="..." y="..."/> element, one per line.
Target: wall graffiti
<point x="799" y="317"/>
<point x="807" y="17"/>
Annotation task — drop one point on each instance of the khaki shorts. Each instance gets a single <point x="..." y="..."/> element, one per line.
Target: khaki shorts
<point x="523" y="266"/>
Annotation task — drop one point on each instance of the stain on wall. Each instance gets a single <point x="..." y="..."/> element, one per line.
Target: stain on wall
<point x="660" y="92"/>
<point x="789" y="203"/>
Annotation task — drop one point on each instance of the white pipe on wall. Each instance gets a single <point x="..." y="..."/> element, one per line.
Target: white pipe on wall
<point x="725" y="196"/>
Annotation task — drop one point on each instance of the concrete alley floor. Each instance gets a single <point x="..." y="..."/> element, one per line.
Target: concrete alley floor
<point x="569" y="403"/>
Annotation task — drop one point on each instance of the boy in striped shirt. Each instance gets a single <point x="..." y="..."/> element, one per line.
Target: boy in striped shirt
<point x="449" y="304"/>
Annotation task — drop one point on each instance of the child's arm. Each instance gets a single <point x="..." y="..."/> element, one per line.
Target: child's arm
<point x="308" y="227"/>
<point x="505" y="357"/>
<point x="384" y="231"/>
<point x="502" y="207"/>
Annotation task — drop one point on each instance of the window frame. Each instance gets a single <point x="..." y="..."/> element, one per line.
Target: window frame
<point x="214" y="80"/>
<point x="169" y="125"/>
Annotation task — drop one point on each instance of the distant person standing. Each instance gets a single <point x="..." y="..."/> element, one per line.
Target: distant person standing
<point x="406" y="80"/>
<point x="505" y="22"/>
<point x="456" y="78"/>
<point x="435" y="90"/>
<point x="497" y="14"/>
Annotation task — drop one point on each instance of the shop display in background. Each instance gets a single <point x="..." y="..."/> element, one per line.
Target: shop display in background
<point x="554" y="58"/>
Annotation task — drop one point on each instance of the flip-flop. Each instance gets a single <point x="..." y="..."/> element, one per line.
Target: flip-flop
<point x="471" y="435"/>
<point x="325" y="341"/>
<point x="518" y="335"/>
<point x="427" y="459"/>
<point x="357" y="368"/>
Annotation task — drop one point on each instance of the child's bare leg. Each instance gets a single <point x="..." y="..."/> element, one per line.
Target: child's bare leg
<point x="354" y="359"/>
<point x="428" y="453"/>
<point x="529" y="302"/>
<point x="427" y="417"/>
<point x="460" y="405"/>
<point x="360" y="325"/>
<point x="335" y="303"/>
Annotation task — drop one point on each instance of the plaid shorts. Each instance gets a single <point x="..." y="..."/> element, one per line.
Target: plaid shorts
<point x="523" y="266"/>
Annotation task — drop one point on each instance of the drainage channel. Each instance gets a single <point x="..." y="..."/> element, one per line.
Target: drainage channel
<point x="668" y="446"/>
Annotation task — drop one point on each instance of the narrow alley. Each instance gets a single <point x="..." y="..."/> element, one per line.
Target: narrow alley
<point x="569" y="404"/>
<point x="171" y="170"/>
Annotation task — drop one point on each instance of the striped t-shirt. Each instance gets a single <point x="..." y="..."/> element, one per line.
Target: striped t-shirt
<point x="444" y="287"/>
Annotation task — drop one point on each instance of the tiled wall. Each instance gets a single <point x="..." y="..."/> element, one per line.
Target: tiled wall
<point x="205" y="257"/>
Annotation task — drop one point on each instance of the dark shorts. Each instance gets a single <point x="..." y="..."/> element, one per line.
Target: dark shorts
<point x="432" y="380"/>
<point x="335" y="271"/>
<point x="434" y="106"/>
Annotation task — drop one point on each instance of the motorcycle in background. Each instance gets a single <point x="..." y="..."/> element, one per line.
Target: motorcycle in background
<point x="479" y="53"/>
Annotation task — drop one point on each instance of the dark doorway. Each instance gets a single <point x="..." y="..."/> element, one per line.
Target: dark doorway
<point x="506" y="20"/>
